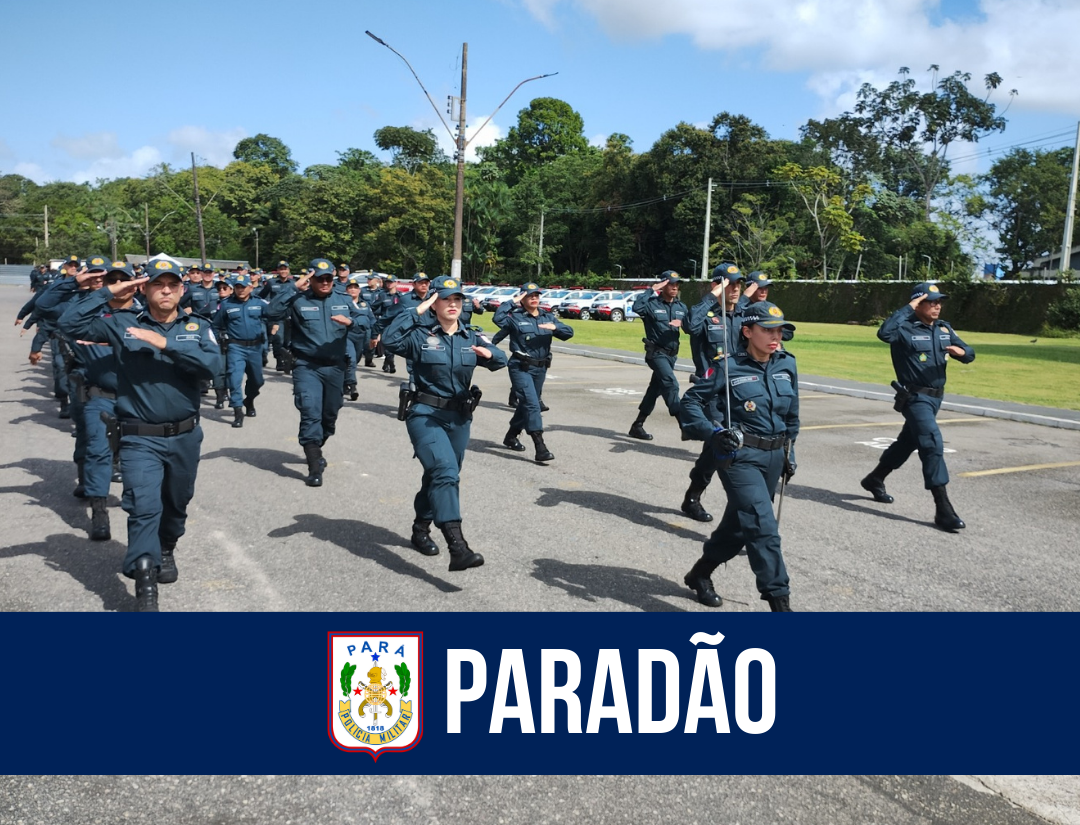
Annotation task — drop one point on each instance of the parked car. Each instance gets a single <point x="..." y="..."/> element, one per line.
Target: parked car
<point x="551" y="298"/>
<point x="617" y="308"/>
<point x="581" y="304"/>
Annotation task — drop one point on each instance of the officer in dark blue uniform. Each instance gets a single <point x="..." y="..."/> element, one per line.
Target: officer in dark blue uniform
<point x="47" y="332"/>
<point x="360" y="334"/>
<point x="162" y="356"/>
<point x="530" y="330"/>
<point x="714" y="334"/>
<point x="921" y="345"/>
<point x="757" y="397"/>
<point x="372" y="295"/>
<point x="320" y="319"/>
<point x="389" y="311"/>
<point x="279" y="332"/>
<point x="241" y="320"/>
<point x="200" y="296"/>
<point x="439" y="412"/>
<point x="663" y="315"/>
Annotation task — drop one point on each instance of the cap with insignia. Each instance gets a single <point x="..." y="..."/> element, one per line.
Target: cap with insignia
<point x="97" y="263"/>
<point x="241" y="279"/>
<point x="120" y="268"/>
<point x="766" y="315"/>
<point x="158" y="268"/>
<point x="420" y="276"/>
<point x="320" y="268"/>
<point x="282" y="265"/>
<point x="71" y="259"/>
<point x="531" y="289"/>
<point x="760" y="278"/>
<point x="355" y="280"/>
<point x="445" y="286"/>
<point x="671" y="276"/>
<point x="727" y="271"/>
<point x="931" y="291"/>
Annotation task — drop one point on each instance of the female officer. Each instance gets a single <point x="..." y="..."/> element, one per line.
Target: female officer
<point x="757" y="396"/>
<point x="444" y="354"/>
<point x="530" y="331"/>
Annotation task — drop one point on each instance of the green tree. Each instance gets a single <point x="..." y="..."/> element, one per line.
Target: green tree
<point x="547" y="129"/>
<point x="266" y="150"/>
<point x="408" y="147"/>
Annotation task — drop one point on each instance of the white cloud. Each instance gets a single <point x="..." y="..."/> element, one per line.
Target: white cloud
<point x="216" y="148"/>
<point x="31" y="170"/>
<point x="491" y="133"/>
<point x="842" y="42"/>
<point x="91" y="146"/>
<point x="134" y="165"/>
<point x="599" y="141"/>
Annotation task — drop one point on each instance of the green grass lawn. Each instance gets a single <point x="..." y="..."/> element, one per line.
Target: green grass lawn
<point x="1006" y="367"/>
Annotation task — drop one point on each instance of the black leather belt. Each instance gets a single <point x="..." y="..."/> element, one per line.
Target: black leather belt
<point x="322" y="362"/>
<point x="760" y="443"/>
<point x="98" y="392"/>
<point x="532" y="362"/>
<point x="170" y="428"/>
<point x="926" y="391"/>
<point x="441" y="403"/>
<point x="654" y="349"/>
<point x="254" y="343"/>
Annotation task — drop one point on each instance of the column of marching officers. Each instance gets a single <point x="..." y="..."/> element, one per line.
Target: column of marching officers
<point x="133" y="353"/>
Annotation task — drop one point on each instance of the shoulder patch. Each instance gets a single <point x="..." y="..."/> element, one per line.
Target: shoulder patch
<point x="191" y="327"/>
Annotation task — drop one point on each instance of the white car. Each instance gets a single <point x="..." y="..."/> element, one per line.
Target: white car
<point x="620" y="307"/>
<point x="580" y="305"/>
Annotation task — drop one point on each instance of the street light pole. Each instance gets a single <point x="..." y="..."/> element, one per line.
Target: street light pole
<point x="620" y="269"/>
<point x="929" y="263"/>
<point x="255" y="229"/>
<point x="694" y="270"/>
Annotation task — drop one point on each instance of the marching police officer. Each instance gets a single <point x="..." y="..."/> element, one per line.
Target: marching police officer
<point x="359" y="336"/>
<point x="389" y="310"/>
<point x="757" y="396"/>
<point x="530" y="330"/>
<point x="320" y="318"/>
<point x="372" y="295"/>
<point x="47" y="332"/>
<point x="162" y="356"/>
<point x="201" y="296"/>
<point x="921" y="345"/>
<point x="714" y="335"/>
<point x="279" y="333"/>
<point x="663" y="315"/>
<point x="444" y="354"/>
<point x="241" y="321"/>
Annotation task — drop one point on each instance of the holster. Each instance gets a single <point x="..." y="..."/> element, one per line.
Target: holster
<point x="902" y="396"/>
<point x="78" y="386"/>
<point x="406" y="398"/>
<point x="112" y="432"/>
<point x="474" y="398"/>
<point x="288" y="359"/>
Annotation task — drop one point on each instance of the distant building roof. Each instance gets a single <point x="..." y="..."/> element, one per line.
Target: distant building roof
<point x="217" y="263"/>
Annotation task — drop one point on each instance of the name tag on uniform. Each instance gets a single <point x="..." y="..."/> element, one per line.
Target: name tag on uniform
<point x="339" y="309"/>
<point x="233" y="309"/>
<point x="782" y="376"/>
<point x="188" y="338"/>
<point x="736" y="381"/>
<point x="920" y="337"/>
<point x="309" y="309"/>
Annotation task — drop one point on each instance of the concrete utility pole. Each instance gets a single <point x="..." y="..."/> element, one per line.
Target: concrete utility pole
<point x="459" y="192"/>
<point x="705" y="246"/>
<point x="1066" y="244"/>
<point x="540" y="250"/>
<point x="146" y="218"/>
<point x="198" y="210"/>
<point x="46" y="226"/>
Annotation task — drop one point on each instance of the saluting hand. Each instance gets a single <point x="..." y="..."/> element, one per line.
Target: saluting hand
<point x="918" y="299"/>
<point x="126" y="289"/>
<point x="483" y="352"/>
<point x="344" y="320"/>
<point x="718" y="289"/>
<point x="546" y="326"/>
<point x="657" y="287"/>
<point x="516" y="300"/>
<point x="154" y="339"/>
<point x="425" y="305"/>
<point x="955" y="351"/>
<point x="302" y="282"/>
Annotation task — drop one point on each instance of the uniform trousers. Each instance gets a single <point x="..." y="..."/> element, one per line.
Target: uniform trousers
<point x="159" y="481"/>
<point x="663" y="384"/>
<point x="97" y="455"/>
<point x="920" y="433"/>
<point x="61" y="385"/>
<point x="244" y="361"/>
<point x="439" y="439"/>
<point x="528" y="384"/>
<point x="317" y="394"/>
<point x="748" y="520"/>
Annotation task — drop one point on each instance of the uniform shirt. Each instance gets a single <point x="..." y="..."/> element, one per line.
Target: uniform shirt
<point x="918" y="350"/>
<point x="657" y="314"/>
<point x="96" y="362"/>
<point x="154" y="386"/>
<point x="764" y="398"/>
<point x="314" y="334"/>
<point x="363" y="328"/>
<point x="524" y="330"/>
<point x="273" y="287"/>
<point x="710" y="338"/>
<point x="47" y="305"/>
<point x="242" y="320"/>
<point x="397" y="304"/>
<point x="200" y="299"/>
<point x="442" y="364"/>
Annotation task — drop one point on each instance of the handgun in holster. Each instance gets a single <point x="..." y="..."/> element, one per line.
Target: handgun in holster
<point x="474" y="398"/>
<point x="112" y="431"/>
<point x="902" y="396"/>
<point x="288" y="359"/>
<point x="406" y="398"/>
<point x="78" y="385"/>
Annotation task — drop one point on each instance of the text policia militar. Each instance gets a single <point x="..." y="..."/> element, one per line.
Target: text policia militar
<point x="657" y="672"/>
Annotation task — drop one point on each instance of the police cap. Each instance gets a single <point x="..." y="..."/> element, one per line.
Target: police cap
<point x="931" y="291"/>
<point x="445" y="286"/>
<point x="728" y="271"/>
<point x="97" y="263"/>
<point x="767" y="315"/>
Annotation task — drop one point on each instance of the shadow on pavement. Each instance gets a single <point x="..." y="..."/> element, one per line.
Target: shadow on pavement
<point x="367" y="541"/>
<point x="56" y="480"/>
<point x="848" y="501"/>
<point x="628" y="508"/>
<point x="93" y="564"/>
<point x="272" y="461"/>
<point x="622" y="443"/>
<point x="591" y="582"/>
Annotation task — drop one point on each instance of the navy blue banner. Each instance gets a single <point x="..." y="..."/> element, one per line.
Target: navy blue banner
<point x="539" y="693"/>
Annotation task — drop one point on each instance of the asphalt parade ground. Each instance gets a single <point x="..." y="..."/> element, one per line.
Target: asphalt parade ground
<point x="597" y="529"/>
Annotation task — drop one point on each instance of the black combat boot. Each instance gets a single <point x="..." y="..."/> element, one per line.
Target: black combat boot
<point x="99" y="519"/>
<point x="512" y="401"/>
<point x="779" y="604"/>
<point x="637" y="429"/>
<point x="219" y="399"/>
<point x="369" y="361"/>
<point x="421" y="538"/>
<point x="511" y="440"/>
<point x="351" y="391"/>
<point x="168" y="572"/>
<point x="315" y="464"/>
<point x="238" y="417"/>
<point x="698" y="580"/>
<point x="874" y="484"/>
<point x="945" y="516"/>
<point x="543" y="407"/>
<point x="65" y="406"/>
<point x="145" y="585"/>
<point x="461" y="557"/>
<point x="80" y="486"/>
<point x="542" y="452"/>
<point x="117" y="478"/>
<point x="691" y="503"/>
<point x="249" y="406"/>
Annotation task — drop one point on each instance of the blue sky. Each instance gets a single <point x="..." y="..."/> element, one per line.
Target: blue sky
<point x="117" y="86"/>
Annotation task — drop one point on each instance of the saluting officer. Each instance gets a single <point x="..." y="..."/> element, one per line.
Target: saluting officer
<point x="921" y="345"/>
<point x="372" y="295"/>
<point x="389" y="311"/>
<point x="47" y="332"/>
<point x="444" y="354"/>
<point x="663" y="315"/>
<point x="162" y="356"/>
<point x="320" y="319"/>
<point x="200" y="297"/>
<point x="279" y="332"/>
<point x="241" y="320"/>
<point x="359" y="336"/>
<point x="754" y="442"/>
<point x="530" y="330"/>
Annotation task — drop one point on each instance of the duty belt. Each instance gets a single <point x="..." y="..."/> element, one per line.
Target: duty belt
<point x="926" y="391"/>
<point x="253" y="343"/>
<point x="442" y="403"/>
<point x="532" y="362"/>
<point x="761" y="443"/>
<point x="652" y="349"/>
<point x="322" y="362"/>
<point x="98" y="392"/>
<point x="170" y="428"/>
